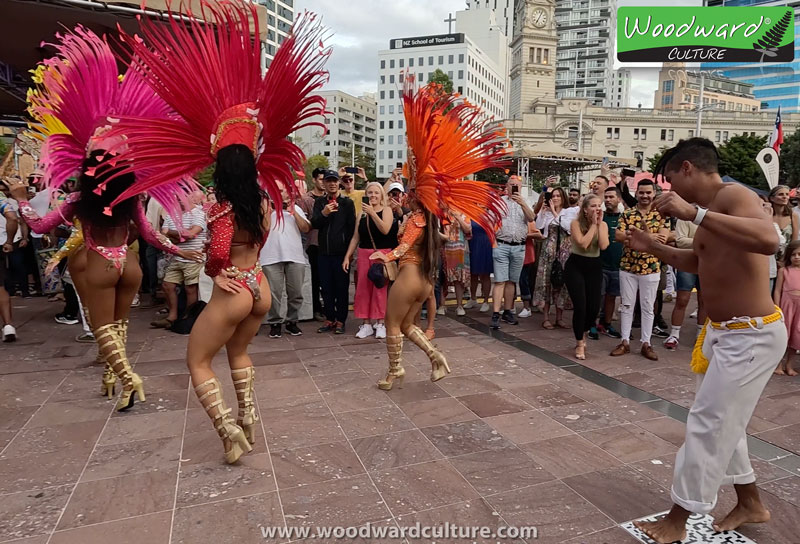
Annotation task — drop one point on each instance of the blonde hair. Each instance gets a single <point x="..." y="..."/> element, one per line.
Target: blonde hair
<point x="379" y="186"/>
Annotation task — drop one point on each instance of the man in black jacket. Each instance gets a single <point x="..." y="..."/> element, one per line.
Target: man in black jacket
<point x="335" y="217"/>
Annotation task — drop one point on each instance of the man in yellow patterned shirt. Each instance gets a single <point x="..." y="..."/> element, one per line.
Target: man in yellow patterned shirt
<point x="639" y="272"/>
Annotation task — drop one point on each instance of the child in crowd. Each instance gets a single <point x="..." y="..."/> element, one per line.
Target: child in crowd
<point x="787" y="296"/>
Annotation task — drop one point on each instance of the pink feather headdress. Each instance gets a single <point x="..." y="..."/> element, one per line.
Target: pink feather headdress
<point x="209" y="71"/>
<point x="76" y="91"/>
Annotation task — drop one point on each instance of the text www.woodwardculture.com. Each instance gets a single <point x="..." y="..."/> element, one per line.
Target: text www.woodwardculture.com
<point x="442" y="532"/>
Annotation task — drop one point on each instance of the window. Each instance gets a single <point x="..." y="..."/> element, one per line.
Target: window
<point x="383" y="95"/>
<point x="668" y="86"/>
<point x="608" y="133"/>
<point x="450" y="59"/>
<point x="402" y="62"/>
<point x="461" y="74"/>
<point x="461" y="57"/>
<point x="616" y="135"/>
<point x="666" y="99"/>
<point x="391" y="124"/>
<point x="644" y="134"/>
<point x="391" y="154"/>
<point x="450" y="74"/>
<point x="636" y="134"/>
<point x="400" y="78"/>
<point x="400" y="140"/>
<point x="691" y="134"/>
<point x="400" y="154"/>
<point x="391" y="94"/>
<point x="545" y="56"/>
<point x="400" y="124"/>
<point x="430" y="61"/>
<point x="670" y="135"/>
<point x="327" y="153"/>
<point x="531" y="54"/>
<point x="421" y="61"/>
<point x="611" y="152"/>
<point x="725" y="136"/>
<point x="391" y="63"/>
<point x="381" y="140"/>
<point x="380" y="125"/>
<point x="639" y="156"/>
<point x="572" y="131"/>
<point x="538" y="55"/>
<point x="382" y="110"/>
<point x="380" y="169"/>
<point x="411" y="62"/>
<point x="430" y="75"/>
<point x="663" y="134"/>
<point x="391" y="110"/>
<point x="717" y="136"/>
<point x="380" y="154"/>
<point x="383" y="80"/>
<point x="441" y="60"/>
<point x="391" y="140"/>
<point x="383" y="64"/>
<point x="391" y="78"/>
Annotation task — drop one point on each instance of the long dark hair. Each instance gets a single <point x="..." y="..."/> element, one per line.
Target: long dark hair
<point x="787" y="253"/>
<point x="236" y="181"/>
<point x="430" y="245"/>
<point x="97" y="170"/>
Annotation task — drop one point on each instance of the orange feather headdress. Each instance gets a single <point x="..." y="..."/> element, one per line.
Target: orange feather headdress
<point x="448" y="140"/>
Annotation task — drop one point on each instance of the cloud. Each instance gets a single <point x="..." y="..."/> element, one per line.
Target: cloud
<point x="360" y="29"/>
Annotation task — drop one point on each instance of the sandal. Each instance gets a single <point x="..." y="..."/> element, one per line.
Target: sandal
<point x="561" y="325"/>
<point x="162" y="324"/>
<point x="548" y="325"/>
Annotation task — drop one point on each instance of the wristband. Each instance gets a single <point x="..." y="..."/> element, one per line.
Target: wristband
<point x="701" y="213"/>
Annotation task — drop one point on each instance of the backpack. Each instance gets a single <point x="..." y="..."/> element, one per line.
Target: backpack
<point x="184" y="325"/>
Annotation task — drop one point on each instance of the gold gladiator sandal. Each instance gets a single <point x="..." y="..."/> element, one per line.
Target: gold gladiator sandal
<point x="396" y="374"/>
<point x="233" y="438"/>
<point x="109" y="340"/>
<point x="439" y="363"/>
<point x="247" y="406"/>
<point x="109" y="378"/>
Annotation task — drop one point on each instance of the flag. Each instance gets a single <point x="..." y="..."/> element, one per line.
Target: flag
<point x="776" y="139"/>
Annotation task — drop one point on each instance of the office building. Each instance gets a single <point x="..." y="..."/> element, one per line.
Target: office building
<point x="586" y="44"/>
<point x="280" y="17"/>
<point x="504" y="10"/>
<point x="679" y="89"/>
<point x="475" y="74"/>
<point x="620" y="91"/>
<point x="774" y="84"/>
<point x="351" y="126"/>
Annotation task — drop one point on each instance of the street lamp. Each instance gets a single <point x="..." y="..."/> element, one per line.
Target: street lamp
<point x="700" y="107"/>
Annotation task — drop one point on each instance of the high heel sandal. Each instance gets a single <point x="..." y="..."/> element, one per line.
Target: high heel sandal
<point x="580" y="350"/>
<point x="109" y="339"/>
<point x="438" y="361"/>
<point x="109" y="378"/>
<point x="233" y="437"/>
<point x="247" y="406"/>
<point x="396" y="374"/>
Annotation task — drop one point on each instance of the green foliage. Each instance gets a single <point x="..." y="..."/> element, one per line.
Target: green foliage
<point x="790" y="160"/>
<point x="653" y="161"/>
<point x="206" y="176"/>
<point x="737" y="158"/>
<point x="4" y="147"/>
<point x="493" y="176"/>
<point x="443" y="79"/>
<point x="312" y="163"/>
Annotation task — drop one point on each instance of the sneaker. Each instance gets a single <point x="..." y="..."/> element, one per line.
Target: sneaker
<point x="485" y="307"/>
<point x="525" y="313"/>
<point x="275" y="330"/>
<point x="661" y="324"/>
<point x="693" y="315"/>
<point x="460" y="311"/>
<point x="339" y="328"/>
<point x="380" y="330"/>
<point x="329" y="326"/>
<point x="136" y="302"/>
<point x="611" y="332"/>
<point x="365" y="331"/>
<point x="671" y="343"/>
<point x="292" y="328"/>
<point x="66" y="319"/>
<point x="9" y="333"/>
<point x="494" y="323"/>
<point x="661" y="333"/>
<point x="593" y="334"/>
<point x="441" y="310"/>
<point x="470" y="305"/>
<point x="509" y="317"/>
<point x="319" y="316"/>
<point x="85" y="338"/>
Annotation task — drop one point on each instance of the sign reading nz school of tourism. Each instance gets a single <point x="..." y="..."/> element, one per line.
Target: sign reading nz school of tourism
<point x="710" y="34"/>
<point x="422" y="41"/>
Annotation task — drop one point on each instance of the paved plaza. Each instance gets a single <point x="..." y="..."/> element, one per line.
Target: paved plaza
<point x="518" y="435"/>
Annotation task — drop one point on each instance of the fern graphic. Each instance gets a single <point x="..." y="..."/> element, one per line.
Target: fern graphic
<point x="769" y="42"/>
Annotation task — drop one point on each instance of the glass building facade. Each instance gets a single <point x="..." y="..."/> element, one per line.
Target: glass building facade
<point x="774" y="84"/>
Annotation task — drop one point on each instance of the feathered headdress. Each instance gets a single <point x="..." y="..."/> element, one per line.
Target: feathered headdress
<point x="209" y="71"/>
<point x="448" y="140"/>
<point x="75" y="92"/>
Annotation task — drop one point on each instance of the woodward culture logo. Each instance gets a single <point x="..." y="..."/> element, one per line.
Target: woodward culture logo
<point x="711" y="34"/>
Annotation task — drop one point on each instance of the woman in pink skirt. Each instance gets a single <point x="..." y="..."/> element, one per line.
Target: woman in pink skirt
<point x="787" y="296"/>
<point x="377" y="230"/>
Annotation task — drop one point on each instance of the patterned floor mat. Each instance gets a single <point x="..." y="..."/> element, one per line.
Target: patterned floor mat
<point x="698" y="531"/>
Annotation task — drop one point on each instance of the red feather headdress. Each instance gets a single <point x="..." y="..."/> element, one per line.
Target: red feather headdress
<point x="448" y="139"/>
<point x="209" y="71"/>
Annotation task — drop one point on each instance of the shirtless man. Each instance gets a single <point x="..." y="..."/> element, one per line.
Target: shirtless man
<point x="730" y="254"/>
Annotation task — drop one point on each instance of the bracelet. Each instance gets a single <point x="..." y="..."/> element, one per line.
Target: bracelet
<point x="701" y="213"/>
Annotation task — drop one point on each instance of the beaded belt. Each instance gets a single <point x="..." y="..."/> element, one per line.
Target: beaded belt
<point x="249" y="278"/>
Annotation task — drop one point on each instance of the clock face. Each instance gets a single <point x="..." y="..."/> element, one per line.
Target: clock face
<point x="538" y="18"/>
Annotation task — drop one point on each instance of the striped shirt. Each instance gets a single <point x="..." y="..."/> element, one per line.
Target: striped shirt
<point x="192" y="218"/>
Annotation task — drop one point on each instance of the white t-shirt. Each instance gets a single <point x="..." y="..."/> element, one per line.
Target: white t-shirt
<point x="5" y="205"/>
<point x="284" y="243"/>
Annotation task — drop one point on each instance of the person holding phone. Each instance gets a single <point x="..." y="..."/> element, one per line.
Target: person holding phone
<point x="347" y="175"/>
<point x="376" y="231"/>
<point x="335" y="217"/>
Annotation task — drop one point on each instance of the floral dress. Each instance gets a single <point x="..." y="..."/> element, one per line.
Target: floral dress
<point x="543" y="293"/>
<point x="456" y="263"/>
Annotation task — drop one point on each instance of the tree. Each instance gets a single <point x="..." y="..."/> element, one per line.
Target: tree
<point x="493" y="176"/>
<point x="653" y="161"/>
<point x="737" y="159"/>
<point x="442" y="79"/>
<point x="790" y="160"/>
<point x="206" y="176"/>
<point x="363" y="158"/>
<point x="313" y="162"/>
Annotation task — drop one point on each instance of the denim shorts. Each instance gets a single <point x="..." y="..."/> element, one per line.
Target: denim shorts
<point x="611" y="282"/>
<point x="507" y="262"/>
<point x="686" y="281"/>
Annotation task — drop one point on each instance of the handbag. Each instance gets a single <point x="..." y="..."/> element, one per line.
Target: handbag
<point x="380" y="274"/>
<point x="557" y="271"/>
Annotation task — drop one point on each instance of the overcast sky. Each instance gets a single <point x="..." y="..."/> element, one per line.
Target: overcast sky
<point x="361" y="28"/>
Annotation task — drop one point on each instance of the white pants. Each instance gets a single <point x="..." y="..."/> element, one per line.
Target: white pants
<point x="647" y="287"/>
<point x="670" y="281"/>
<point x="715" y="450"/>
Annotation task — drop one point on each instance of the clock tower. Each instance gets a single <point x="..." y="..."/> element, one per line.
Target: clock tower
<point x="533" y="57"/>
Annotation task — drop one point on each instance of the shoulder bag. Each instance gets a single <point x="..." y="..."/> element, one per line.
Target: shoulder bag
<point x="380" y="273"/>
<point x="557" y="271"/>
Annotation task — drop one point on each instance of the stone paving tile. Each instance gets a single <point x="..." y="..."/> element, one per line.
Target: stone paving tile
<point x="428" y="413"/>
<point x="527" y="426"/>
<point x="314" y="464"/>
<point x="38" y="471"/>
<point x="496" y="471"/>
<point x="374" y="421"/>
<point x="385" y="451"/>
<point x="152" y="529"/>
<point x="133" y="458"/>
<point x="583" y="416"/>
<point x="570" y="455"/>
<point x="629" y="443"/>
<point x="494" y="404"/>
<point x="474" y="513"/>
<point x="233" y="520"/>
<point x="43" y="440"/>
<point x="215" y="481"/>
<point x="120" y="430"/>
<point x="31" y="513"/>
<point x="454" y="439"/>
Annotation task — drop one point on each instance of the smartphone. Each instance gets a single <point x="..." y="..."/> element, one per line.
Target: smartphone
<point x="514" y="189"/>
<point x="628" y="172"/>
<point x="365" y="199"/>
<point x="398" y="165"/>
<point x="547" y="196"/>
<point x="351" y="169"/>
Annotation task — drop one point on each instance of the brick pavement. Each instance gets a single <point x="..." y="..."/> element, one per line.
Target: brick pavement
<point x="507" y="439"/>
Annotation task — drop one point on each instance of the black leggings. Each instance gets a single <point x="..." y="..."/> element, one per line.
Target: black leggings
<point x="583" y="277"/>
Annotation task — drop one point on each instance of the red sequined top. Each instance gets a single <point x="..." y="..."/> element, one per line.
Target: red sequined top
<point x="220" y="230"/>
<point x="408" y="250"/>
